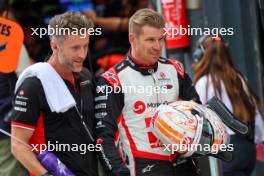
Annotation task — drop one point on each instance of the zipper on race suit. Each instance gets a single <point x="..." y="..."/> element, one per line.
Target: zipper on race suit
<point x="151" y="71"/>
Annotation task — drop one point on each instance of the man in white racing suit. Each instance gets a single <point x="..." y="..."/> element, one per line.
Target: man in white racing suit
<point x="127" y="96"/>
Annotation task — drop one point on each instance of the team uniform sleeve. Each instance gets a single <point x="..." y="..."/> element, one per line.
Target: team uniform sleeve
<point x="108" y="108"/>
<point x="26" y="105"/>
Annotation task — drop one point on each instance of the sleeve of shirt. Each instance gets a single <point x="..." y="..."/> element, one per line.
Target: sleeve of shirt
<point x="187" y="90"/>
<point x="108" y="108"/>
<point x="26" y="105"/>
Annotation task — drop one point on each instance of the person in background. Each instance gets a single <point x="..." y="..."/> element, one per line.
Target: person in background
<point x="87" y="7"/>
<point x="216" y="75"/>
<point x="111" y="17"/>
<point x="9" y="166"/>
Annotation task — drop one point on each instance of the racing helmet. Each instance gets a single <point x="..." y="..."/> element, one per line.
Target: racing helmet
<point x="189" y="128"/>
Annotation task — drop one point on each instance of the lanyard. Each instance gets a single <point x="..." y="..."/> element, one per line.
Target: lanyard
<point x="83" y="122"/>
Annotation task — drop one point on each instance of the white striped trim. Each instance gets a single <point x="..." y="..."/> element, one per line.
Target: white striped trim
<point x="32" y="129"/>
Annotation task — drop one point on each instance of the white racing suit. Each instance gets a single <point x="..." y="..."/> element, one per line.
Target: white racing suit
<point x="127" y="96"/>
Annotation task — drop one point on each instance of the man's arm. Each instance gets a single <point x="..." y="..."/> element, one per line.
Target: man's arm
<point x="24" y="153"/>
<point x="25" y="115"/>
<point x="108" y="108"/>
<point x="187" y="90"/>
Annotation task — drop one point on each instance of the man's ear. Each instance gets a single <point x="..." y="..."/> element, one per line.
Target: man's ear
<point x="54" y="46"/>
<point x="131" y="38"/>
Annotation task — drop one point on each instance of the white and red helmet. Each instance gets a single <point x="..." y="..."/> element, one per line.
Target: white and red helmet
<point x="185" y="124"/>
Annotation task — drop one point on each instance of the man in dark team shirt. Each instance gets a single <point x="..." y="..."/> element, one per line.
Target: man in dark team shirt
<point x="35" y="122"/>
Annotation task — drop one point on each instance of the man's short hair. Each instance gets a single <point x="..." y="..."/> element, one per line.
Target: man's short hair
<point x="145" y="17"/>
<point x="69" y="23"/>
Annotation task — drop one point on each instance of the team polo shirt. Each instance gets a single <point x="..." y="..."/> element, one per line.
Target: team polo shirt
<point x="31" y="111"/>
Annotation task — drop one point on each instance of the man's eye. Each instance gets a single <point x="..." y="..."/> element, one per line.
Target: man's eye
<point x="75" y="47"/>
<point x="161" y="38"/>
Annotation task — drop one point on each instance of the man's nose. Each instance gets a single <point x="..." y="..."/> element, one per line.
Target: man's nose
<point x="157" y="45"/>
<point x="82" y="53"/>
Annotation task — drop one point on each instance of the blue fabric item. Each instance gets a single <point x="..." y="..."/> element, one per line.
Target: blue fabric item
<point x="7" y="87"/>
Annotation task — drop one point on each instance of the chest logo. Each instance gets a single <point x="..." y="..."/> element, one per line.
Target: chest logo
<point x="139" y="107"/>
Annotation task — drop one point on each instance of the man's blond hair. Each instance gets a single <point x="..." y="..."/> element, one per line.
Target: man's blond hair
<point x="145" y="17"/>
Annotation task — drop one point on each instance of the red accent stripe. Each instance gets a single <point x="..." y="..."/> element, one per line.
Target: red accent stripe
<point x="72" y="82"/>
<point x="116" y="135"/>
<point x="117" y="132"/>
<point x="130" y="140"/>
<point x="113" y="79"/>
<point x="133" y="146"/>
<point x="38" y="136"/>
<point x="22" y="125"/>
<point x="178" y="66"/>
<point x="140" y="154"/>
<point x="180" y="98"/>
<point x="118" y="120"/>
